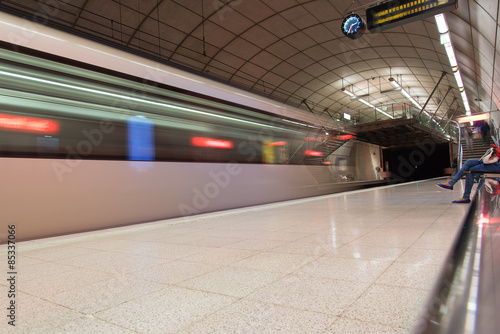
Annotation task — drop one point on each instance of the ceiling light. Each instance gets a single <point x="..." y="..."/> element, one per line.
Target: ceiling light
<point x="377" y="109"/>
<point x="355" y="97"/>
<point x="441" y="23"/>
<point x="458" y="77"/>
<point x="466" y="103"/>
<point x="451" y="53"/>
<point x="448" y="46"/>
<point x="394" y="82"/>
<point x="347" y="92"/>
<point x="477" y="117"/>
<point x="405" y="93"/>
<point x="409" y="97"/>
<point x="352" y="95"/>
<point x="396" y="89"/>
<point x="367" y="103"/>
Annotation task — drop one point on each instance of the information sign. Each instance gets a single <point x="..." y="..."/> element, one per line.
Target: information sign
<point x="394" y="13"/>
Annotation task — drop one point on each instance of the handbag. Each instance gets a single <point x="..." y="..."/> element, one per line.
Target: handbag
<point x="490" y="157"/>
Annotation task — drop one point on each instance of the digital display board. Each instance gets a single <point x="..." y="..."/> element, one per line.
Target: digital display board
<point x="394" y="13"/>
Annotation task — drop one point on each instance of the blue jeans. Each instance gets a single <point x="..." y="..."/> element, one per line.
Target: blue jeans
<point x="472" y="165"/>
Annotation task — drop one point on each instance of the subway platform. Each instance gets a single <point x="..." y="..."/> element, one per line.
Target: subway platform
<point x="361" y="261"/>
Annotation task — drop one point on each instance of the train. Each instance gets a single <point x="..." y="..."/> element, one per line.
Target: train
<point x="94" y="137"/>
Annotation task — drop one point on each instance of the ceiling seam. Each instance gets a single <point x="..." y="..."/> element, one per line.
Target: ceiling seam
<point x="278" y="39"/>
<point x="77" y="16"/>
<point x="315" y="61"/>
<point x="148" y="15"/>
<point x="276" y="88"/>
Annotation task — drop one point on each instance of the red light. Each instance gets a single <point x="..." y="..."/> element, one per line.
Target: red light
<point x="483" y="221"/>
<point x="345" y="137"/>
<point x="278" y="143"/>
<point x="28" y="124"/>
<point x="210" y="142"/>
<point x="486" y="220"/>
<point x="327" y="163"/>
<point x="313" y="153"/>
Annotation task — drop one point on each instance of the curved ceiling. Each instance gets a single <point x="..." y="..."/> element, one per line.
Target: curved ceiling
<point x="293" y="50"/>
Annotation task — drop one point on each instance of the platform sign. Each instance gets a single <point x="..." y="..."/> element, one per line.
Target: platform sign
<point x="394" y="13"/>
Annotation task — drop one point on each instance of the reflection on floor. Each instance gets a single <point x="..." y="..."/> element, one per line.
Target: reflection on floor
<point x="347" y="263"/>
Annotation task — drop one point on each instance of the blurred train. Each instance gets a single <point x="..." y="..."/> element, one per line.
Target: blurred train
<point x="93" y="137"/>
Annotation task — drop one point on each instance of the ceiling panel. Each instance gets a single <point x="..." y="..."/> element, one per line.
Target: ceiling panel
<point x="291" y="50"/>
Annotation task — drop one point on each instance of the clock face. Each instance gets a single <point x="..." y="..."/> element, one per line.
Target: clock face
<point x="353" y="26"/>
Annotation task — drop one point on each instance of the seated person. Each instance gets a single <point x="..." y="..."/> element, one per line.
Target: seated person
<point x="491" y="163"/>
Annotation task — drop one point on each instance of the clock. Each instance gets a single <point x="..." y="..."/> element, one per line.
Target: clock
<point x="353" y="26"/>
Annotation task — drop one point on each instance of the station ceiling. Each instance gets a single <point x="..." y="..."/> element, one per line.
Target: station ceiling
<point x="294" y="51"/>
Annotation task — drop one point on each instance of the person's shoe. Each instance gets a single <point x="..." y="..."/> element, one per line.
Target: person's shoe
<point x="444" y="186"/>
<point x="461" y="200"/>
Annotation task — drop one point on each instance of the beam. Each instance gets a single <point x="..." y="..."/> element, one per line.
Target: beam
<point x="440" y="103"/>
<point x="447" y="110"/>
<point x="430" y="96"/>
<point x="449" y="118"/>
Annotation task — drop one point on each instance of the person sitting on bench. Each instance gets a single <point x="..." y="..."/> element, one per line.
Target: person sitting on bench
<point x="488" y="162"/>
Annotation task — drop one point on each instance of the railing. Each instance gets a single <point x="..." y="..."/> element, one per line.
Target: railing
<point x="463" y="298"/>
<point x="370" y="115"/>
<point x="460" y="148"/>
<point x="399" y="111"/>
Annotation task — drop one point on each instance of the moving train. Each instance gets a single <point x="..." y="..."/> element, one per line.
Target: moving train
<point x="93" y="137"/>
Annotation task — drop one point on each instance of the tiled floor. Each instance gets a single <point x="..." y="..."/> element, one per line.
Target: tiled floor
<point x="358" y="262"/>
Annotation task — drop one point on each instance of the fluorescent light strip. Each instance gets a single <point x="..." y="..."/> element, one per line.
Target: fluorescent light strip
<point x="348" y="92"/>
<point x="451" y="54"/>
<point x="94" y="91"/>
<point x="409" y="97"/>
<point x="476" y="117"/>
<point x="377" y="109"/>
<point x="367" y="103"/>
<point x="445" y="39"/>
<point x="458" y="78"/>
<point x="441" y="23"/>
<point x="405" y="93"/>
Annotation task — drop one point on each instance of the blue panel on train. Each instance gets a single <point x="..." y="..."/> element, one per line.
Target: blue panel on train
<point x="141" y="144"/>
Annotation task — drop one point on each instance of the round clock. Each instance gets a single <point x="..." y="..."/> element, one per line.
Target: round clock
<point x="353" y="26"/>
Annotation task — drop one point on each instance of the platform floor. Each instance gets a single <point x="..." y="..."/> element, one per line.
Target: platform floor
<point x="357" y="262"/>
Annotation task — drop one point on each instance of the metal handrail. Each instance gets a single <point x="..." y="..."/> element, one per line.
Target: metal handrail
<point x="454" y="305"/>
